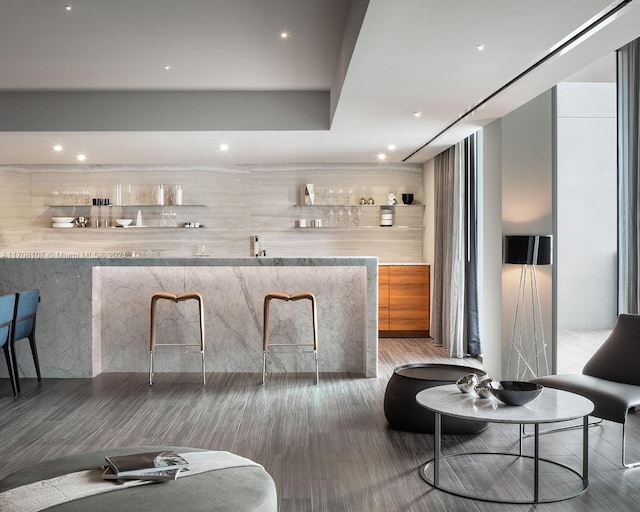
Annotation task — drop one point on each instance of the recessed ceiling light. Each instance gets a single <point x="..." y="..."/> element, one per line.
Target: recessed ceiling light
<point x="224" y="147"/>
<point x="391" y="147"/>
<point x="81" y="157"/>
<point x="382" y="156"/>
<point x="67" y="7"/>
<point x="480" y="47"/>
<point x="167" y="67"/>
<point x="58" y="148"/>
<point x="417" y="114"/>
<point x="284" y="35"/>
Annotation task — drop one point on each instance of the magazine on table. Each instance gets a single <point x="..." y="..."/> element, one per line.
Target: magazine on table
<point x="147" y="462"/>
<point x="155" y="476"/>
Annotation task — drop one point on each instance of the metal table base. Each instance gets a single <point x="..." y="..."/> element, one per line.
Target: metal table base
<point x="438" y="457"/>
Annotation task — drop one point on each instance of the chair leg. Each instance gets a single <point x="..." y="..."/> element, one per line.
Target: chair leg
<point x="14" y="362"/>
<point x="204" y="375"/>
<point x="314" y="319"/>
<point x="624" y="449"/>
<point x="264" y="367"/>
<point x="34" y="353"/>
<point x="12" y="378"/>
<point x="151" y="368"/>
<point x="593" y="424"/>
<point x="315" y="356"/>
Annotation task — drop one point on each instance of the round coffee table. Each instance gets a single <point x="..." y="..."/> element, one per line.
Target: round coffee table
<point x="552" y="405"/>
<point x="403" y="412"/>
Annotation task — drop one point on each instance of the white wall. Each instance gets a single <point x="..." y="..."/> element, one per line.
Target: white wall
<point x="527" y="194"/>
<point x="490" y="238"/>
<point x="586" y="205"/>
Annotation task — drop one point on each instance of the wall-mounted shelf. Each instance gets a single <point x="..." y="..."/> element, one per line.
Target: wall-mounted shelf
<point x="357" y="205"/>
<point x="357" y="216"/>
<point x="311" y="228"/>
<point x="127" y="206"/>
<point x="129" y="228"/>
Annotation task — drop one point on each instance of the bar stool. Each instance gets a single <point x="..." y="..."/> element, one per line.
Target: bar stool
<point x="265" y="336"/>
<point x="175" y="297"/>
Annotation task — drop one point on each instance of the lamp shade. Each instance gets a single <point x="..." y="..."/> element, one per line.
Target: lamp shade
<point x="527" y="249"/>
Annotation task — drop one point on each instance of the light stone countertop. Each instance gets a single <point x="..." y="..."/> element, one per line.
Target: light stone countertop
<point x="550" y="406"/>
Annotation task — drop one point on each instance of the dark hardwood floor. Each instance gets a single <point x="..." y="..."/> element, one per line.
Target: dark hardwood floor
<point x="328" y="447"/>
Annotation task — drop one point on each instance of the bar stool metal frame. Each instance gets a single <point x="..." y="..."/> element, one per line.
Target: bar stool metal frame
<point x="175" y="297"/>
<point x="265" y="335"/>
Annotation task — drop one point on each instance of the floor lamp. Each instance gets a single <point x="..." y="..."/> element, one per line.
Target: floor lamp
<point x="530" y="352"/>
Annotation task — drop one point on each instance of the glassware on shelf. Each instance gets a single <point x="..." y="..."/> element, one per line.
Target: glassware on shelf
<point x="86" y="197"/>
<point x="331" y="196"/>
<point x="351" y="196"/>
<point x="54" y="198"/>
<point x="130" y="194"/>
<point x="321" y="193"/>
<point x="332" y="218"/>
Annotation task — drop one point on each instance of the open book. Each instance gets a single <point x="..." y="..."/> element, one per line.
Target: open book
<point x="147" y="462"/>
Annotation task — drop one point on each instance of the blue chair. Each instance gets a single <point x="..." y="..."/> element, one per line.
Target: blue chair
<point x="24" y="327"/>
<point x="7" y="309"/>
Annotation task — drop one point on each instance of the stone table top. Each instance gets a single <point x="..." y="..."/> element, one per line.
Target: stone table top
<point x="550" y="406"/>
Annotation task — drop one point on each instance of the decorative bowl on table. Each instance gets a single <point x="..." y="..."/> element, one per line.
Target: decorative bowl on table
<point x="467" y="382"/>
<point x="514" y="392"/>
<point x="483" y="388"/>
<point x="124" y="222"/>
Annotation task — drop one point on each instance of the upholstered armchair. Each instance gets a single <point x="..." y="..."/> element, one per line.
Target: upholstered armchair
<point x="611" y="378"/>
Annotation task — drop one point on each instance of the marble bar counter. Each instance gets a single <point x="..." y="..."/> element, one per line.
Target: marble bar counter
<point x="94" y="313"/>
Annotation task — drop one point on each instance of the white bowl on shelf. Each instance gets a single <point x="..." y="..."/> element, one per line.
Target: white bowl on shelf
<point x="124" y="222"/>
<point x="62" y="220"/>
<point x="63" y="224"/>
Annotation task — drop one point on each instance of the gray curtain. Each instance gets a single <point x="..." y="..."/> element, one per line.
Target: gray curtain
<point x="472" y="313"/>
<point x="455" y="315"/>
<point x="628" y="81"/>
<point x="447" y="323"/>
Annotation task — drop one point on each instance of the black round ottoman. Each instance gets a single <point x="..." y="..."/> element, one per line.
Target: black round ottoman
<point x="404" y="413"/>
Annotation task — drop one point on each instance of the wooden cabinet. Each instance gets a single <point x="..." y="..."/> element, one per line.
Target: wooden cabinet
<point x="383" y="298"/>
<point x="403" y="300"/>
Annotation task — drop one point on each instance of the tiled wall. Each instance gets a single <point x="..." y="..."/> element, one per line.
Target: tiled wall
<point x="234" y="203"/>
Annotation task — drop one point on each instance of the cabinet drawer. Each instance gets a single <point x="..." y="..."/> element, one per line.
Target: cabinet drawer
<point x="408" y="282"/>
<point x="412" y="317"/>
